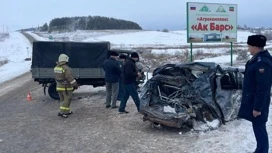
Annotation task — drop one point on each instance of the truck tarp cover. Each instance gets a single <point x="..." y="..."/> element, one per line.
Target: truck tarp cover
<point x="81" y="54"/>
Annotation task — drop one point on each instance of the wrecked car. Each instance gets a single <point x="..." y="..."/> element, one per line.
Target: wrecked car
<point x="193" y="94"/>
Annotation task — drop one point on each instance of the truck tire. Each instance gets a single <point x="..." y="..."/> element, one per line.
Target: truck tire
<point x="52" y="91"/>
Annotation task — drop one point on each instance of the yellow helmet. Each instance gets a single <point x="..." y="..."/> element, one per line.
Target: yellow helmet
<point x="63" y="58"/>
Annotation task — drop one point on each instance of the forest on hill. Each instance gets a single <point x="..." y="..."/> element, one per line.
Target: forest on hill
<point x="87" y="23"/>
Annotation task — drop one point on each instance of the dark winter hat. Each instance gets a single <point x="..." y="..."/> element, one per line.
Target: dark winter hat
<point x="122" y="56"/>
<point x="134" y="55"/>
<point x="113" y="53"/>
<point x="256" y="40"/>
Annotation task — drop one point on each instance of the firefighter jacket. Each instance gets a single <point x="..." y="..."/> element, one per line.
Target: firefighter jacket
<point x="64" y="78"/>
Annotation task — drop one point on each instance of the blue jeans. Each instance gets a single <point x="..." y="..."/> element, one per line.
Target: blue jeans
<point x="120" y="92"/>
<point x="129" y="90"/>
<point x="261" y="137"/>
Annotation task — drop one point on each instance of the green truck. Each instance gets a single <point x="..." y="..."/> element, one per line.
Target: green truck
<point x="85" y="59"/>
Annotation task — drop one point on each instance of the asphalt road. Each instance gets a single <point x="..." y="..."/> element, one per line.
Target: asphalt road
<point x="34" y="127"/>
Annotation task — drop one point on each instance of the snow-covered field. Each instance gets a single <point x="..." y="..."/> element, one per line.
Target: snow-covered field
<point x="16" y="48"/>
<point x="172" y="42"/>
<point x="135" y="38"/>
<point x="234" y="137"/>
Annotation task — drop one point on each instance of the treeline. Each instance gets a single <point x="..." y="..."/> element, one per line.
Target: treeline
<point x="88" y="23"/>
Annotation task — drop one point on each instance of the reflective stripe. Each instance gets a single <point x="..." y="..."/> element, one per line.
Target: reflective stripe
<point x="73" y="81"/>
<point x="63" y="89"/>
<point x="64" y="108"/>
<point x="59" y="70"/>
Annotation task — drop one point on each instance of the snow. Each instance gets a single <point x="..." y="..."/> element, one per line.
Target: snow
<point x="15" y="49"/>
<point x="234" y="137"/>
<point x="169" y="109"/>
<point x="195" y="51"/>
<point x="200" y="126"/>
<point x="133" y="38"/>
<point x="145" y="38"/>
<point x="158" y="39"/>
<point x="38" y="38"/>
<point x="220" y="59"/>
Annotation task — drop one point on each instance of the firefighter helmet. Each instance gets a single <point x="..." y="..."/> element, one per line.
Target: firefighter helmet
<point x="63" y="58"/>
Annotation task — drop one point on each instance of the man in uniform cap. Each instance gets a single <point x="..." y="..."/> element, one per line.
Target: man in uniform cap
<point x="256" y="90"/>
<point x="112" y="75"/>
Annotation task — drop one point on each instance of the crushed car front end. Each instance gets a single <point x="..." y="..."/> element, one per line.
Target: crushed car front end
<point x="186" y="94"/>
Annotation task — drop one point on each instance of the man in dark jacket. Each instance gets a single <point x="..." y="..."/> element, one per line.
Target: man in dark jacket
<point x="122" y="59"/>
<point x="256" y="90"/>
<point x="112" y="74"/>
<point x="129" y="79"/>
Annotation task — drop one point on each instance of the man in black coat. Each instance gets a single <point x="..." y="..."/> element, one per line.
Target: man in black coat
<point x="130" y="74"/>
<point x="122" y="59"/>
<point x="256" y="90"/>
<point x="112" y="75"/>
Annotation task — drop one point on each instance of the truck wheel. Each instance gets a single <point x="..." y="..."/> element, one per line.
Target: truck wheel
<point x="53" y="92"/>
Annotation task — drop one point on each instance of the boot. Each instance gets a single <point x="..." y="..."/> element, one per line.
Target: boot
<point x="62" y="115"/>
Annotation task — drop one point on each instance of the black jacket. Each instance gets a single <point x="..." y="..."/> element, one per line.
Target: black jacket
<point x="129" y="72"/>
<point x="257" y="87"/>
<point x="112" y="70"/>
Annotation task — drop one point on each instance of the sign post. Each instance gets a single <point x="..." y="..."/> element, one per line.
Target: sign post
<point x="27" y="51"/>
<point x="191" y="49"/>
<point x="211" y="23"/>
<point x="28" y="58"/>
<point x="231" y="52"/>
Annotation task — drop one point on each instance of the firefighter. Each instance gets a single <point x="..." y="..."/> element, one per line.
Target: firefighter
<point x="65" y="85"/>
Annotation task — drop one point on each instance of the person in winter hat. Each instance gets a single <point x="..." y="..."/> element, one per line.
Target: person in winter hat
<point x="135" y="55"/>
<point x="256" y="90"/>
<point x="130" y="74"/>
<point x="112" y="75"/>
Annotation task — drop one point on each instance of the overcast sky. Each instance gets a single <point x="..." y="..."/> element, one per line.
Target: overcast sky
<point x="149" y="14"/>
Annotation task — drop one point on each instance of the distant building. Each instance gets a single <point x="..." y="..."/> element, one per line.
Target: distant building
<point x="212" y="37"/>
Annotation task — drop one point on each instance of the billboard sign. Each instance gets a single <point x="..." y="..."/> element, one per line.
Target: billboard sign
<point x="210" y="22"/>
